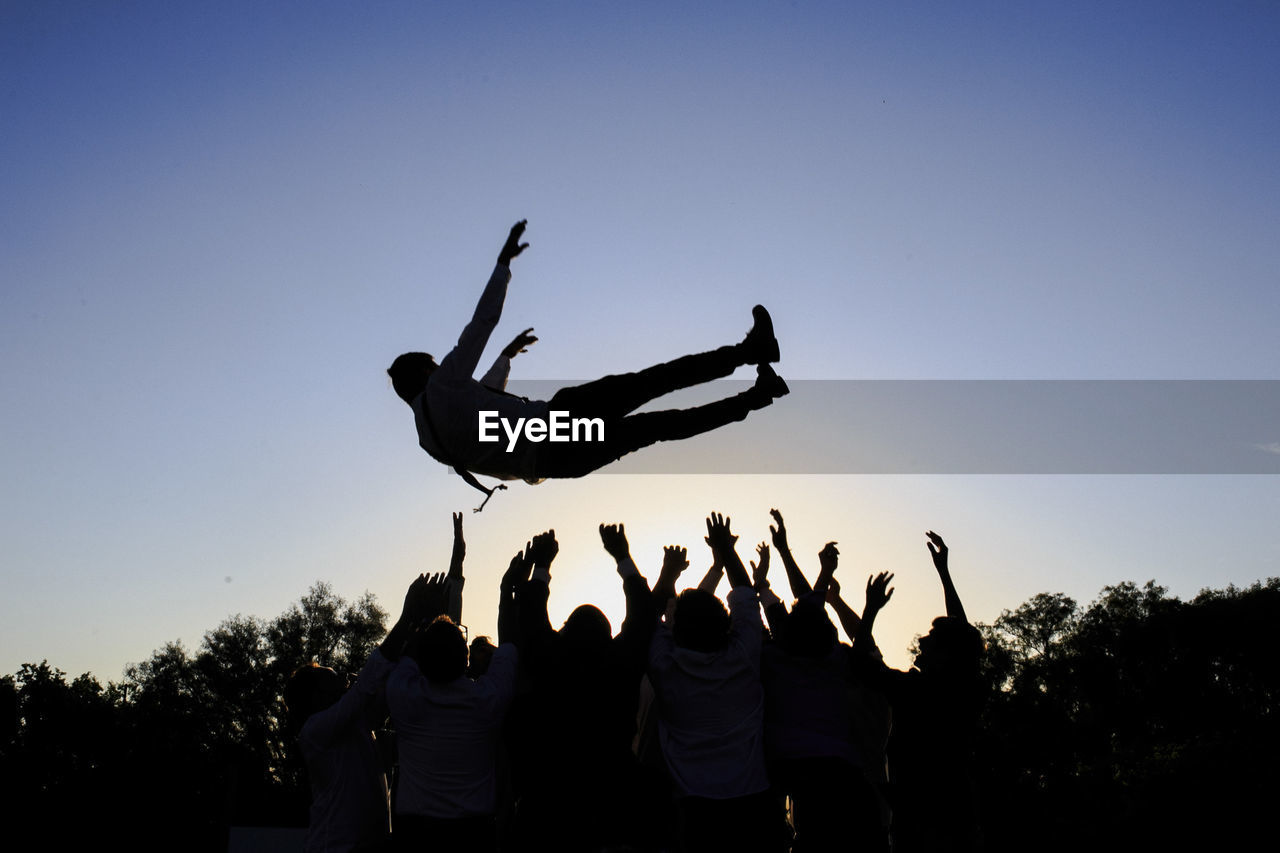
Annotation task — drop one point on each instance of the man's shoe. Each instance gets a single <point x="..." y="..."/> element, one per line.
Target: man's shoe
<point x="760" y="346"/>
<point x="770" y="382"/>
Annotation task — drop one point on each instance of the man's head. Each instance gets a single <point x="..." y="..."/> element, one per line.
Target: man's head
<point x="311" y="688"/>
<point x="701" y="622"/>
<point x="952" y="645"/>
<point x="482" y="649"/>
<point x="409" y="374"/>
<point x="809" y="632"/>
<point x="441" y="651"/>
<point x="587" y="630"/>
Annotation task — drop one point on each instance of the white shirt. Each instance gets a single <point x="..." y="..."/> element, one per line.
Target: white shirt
<point x="349" y="799"/>
<point x="449" y="408"/>
<point x="711" y="707"/>
<point x="448" y="736"/>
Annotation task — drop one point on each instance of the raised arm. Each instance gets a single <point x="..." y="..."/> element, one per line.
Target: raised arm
<point x="878" y="594"/>
<point x="849" y="619"/>
<point x="775" y="612"/>
<point x="722" y="540"/>
<point x="674" y="561"/>
<point x="711" y="579"/>
<point x="463" y="359"/>
<point x="415" y="606"/>
<point x="637" y="626"/>
<point x="795" y="578"/>
<point x="497" y="376"/>
<point x="938" y="549"/>
<point x="828" y="559"/>
<point x="535" y="625"/>
<point x="454" y="580"/>
<point x="516" y="575"/>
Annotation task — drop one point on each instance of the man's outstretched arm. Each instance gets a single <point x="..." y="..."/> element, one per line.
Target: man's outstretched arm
<point x="938" y="549"/>
<point x="465" y="357"/>
<point x="497" y="376"/>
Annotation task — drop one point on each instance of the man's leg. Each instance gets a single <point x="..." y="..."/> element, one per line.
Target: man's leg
<point x="619" y="395"/>
<point x="624" y="435"/>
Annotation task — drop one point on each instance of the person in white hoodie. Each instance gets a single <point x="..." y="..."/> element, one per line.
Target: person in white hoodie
<point x="461" y="421"/>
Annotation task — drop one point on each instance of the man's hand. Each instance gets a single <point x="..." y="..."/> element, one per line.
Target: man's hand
<point x="429" y="597"/>
<point x="778" y="533"/>
<point x="518" y="571"/>
<point x="938" y="549"/>
<point x="675" y="560"/>
<point x="878" y="591"/>
<point x="719" y="537"/>
<point x="413" y="598"/>
<point x="520" y="343"/>
<point x="760" y="572"/>
<point x="459" y="547"/>
<point x="513" y="246"/>
<point x="614" y="538"/>
<point x="544" y="549"/>
<point x="828" y="558"/>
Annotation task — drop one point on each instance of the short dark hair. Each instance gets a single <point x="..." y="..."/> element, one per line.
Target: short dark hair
<point x="409" y="374"/>
<point x="302" y="692"/>
<point x="808" y="631"/>
<point x="442" y="651"/>
<point x="701" y="622"/>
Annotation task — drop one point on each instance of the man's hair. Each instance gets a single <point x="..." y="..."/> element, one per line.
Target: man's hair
<point x="302" y="692"/>
<point x="409" y="374"/>
<point x="587" y="630"/>
<point x="701" y="622"/>
<point x="442" y="651"/>
<point x="808" y="631"/>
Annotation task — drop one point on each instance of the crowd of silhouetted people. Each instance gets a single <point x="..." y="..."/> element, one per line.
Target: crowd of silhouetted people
<point x="697" y="727"/>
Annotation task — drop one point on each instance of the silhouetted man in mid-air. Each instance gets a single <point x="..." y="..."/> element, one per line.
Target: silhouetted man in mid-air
<point x="476" y="427"/>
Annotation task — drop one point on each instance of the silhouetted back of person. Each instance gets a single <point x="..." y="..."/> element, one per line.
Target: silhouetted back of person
<point x="935" y="716"/>
<point x="579" y="720"/>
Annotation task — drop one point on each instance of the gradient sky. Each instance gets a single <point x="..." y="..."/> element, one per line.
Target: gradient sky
<point x="220" y="222"/>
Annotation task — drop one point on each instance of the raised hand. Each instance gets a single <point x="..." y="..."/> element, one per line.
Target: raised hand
<point x="518" y="571"/>
<point x="434" y="599"/>
<point x="520" y="343"/>
<point x="938" y="549"/>
<point x="719" y="536"/>
<point x="760" y="572"/>
<point x="721" y="540"/>
<point x="413" y="600"/>
<point x="878" y="591"/>
<point x="544" y="548"/>
<point x="779" y="533"/>
<point x="614" y="539"/>
<point x="675" y="560"/>
<point x="833" y="591"/>
<point x="513" y="246"/>
<point x="828" y="558"/>
<point x="459" y="547"/>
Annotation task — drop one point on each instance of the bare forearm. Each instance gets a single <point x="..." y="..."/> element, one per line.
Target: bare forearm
<point x="795" y="578"/>
<point x="952" y="598"/>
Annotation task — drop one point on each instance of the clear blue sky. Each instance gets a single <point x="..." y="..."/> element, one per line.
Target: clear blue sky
<point x="219" y="224"/>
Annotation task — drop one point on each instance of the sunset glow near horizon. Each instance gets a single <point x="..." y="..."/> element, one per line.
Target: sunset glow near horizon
<point x="219" y="227"/>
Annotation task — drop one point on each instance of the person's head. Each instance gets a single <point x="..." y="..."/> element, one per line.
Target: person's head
<point x="482" y="649"/>
<point x="441" y="651"/>
<point x="952" y="645"/>
<point x="311" y="688"/>
<point x="409" y="374"/>
<point x="701" y="622"/>
<point x="587" y="630"/>
<point x="809" y="632"/>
